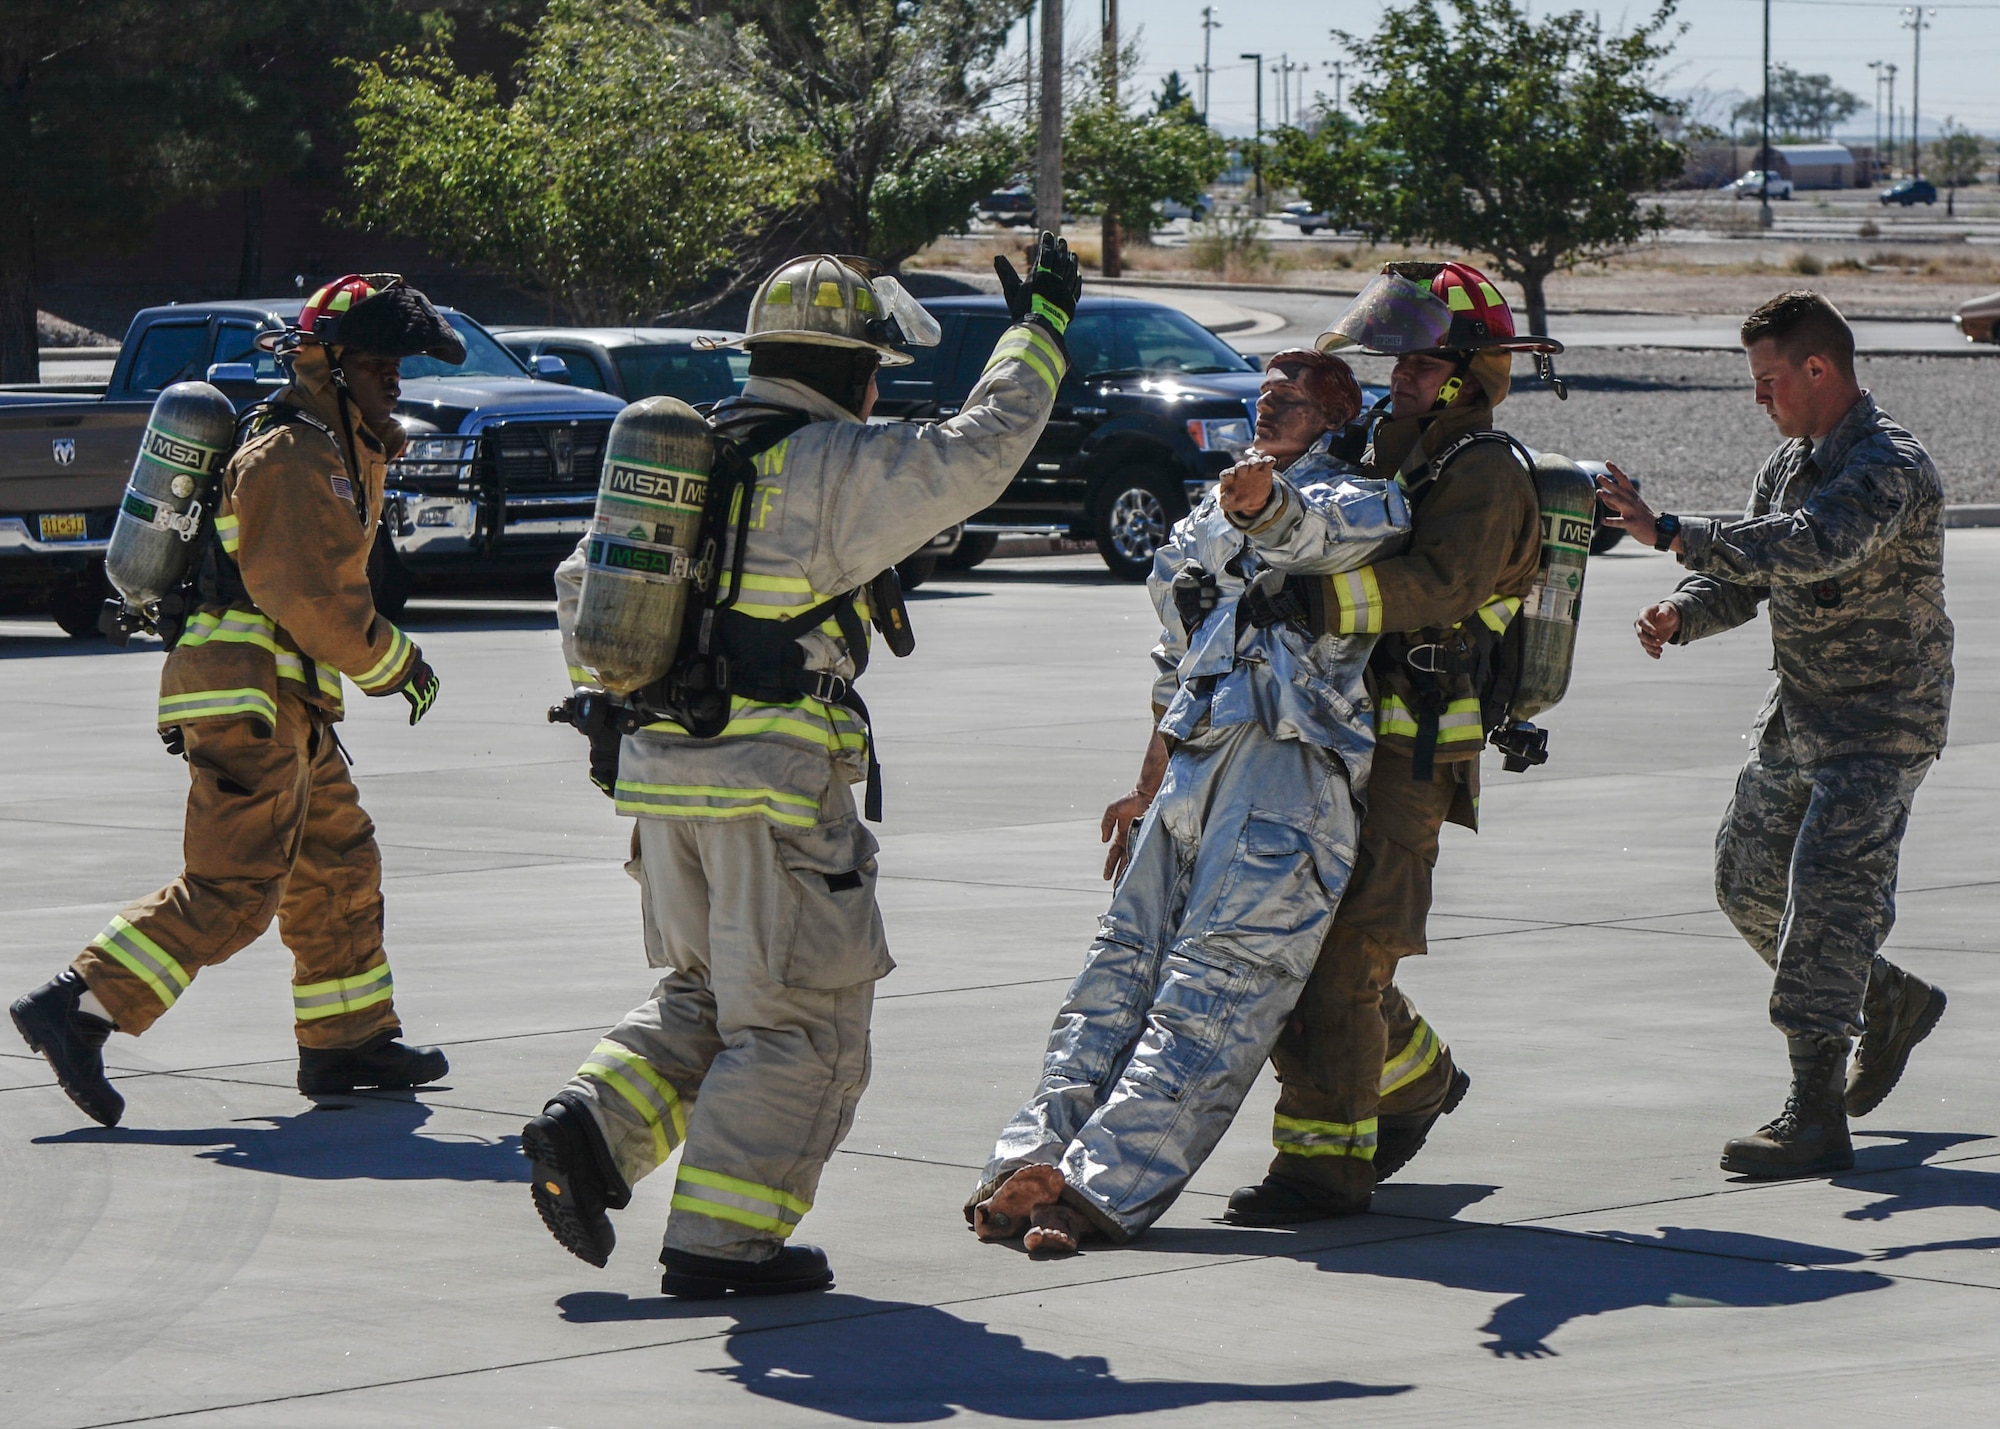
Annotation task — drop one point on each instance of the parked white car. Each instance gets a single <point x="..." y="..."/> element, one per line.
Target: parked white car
<point x="1752" y="185"/>
<point x="1302" y="216"/>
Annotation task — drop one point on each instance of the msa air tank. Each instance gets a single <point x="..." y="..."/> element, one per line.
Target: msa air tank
<point x="1549" y="613"/>
<point x="188" y="437"/>
<point x="639" y="557"/>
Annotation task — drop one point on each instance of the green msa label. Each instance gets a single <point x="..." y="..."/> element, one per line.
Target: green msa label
<point x="677" y="488"/>
<point x="136" y="505"/>
<point x="170" y="450"/>
<point x="1566" y="532"/>
<point x="607" y="553"/>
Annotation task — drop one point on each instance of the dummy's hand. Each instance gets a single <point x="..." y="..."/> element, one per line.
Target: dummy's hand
<point x="1245" y="488"/>
<point x="1629" y="511"/>
<point x="1054" y="286"/>
<point x="1657" y="625"/>
<point x="1196" y="594"/>
<point x="420" y="688"/>
<point x="1121" y="816"/>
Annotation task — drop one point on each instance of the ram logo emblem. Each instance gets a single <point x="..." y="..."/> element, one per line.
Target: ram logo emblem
<point x="64" y="450"/>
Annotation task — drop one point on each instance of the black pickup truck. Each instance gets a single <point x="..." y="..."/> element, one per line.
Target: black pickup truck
<point x="500" y="474"/>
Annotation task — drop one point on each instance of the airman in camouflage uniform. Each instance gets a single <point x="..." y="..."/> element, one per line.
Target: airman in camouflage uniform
<point x="1844" y="540"/>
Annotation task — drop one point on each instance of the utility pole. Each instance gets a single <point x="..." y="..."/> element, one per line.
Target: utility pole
<point x="1917" y="19"/>
<point x="1876" y="65"/>
<point x="1028" y="63"/>
<point x="1257" y="153"/>
<point x="1111" y="260"/>
<point x="1890" y="152"/>
<point x="1764" y="153"/>
<point x="1048" y="143"/>
<point x="1339" y="72"/>
<point x="1209" y="25"/>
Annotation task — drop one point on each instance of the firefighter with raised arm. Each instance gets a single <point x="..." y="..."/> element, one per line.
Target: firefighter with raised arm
<point x="279" y="611"/>
<point x="1363" y="1076"/>
<point x="756" y="872"/>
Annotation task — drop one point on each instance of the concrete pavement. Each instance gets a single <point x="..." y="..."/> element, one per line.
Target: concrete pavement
<point x="1565" y="1252"/>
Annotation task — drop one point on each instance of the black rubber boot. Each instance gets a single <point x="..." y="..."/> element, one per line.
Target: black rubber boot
<point x="1280" y="1201"/>
<point x="576" y="1181"/>
<point x="1809" y="1138"/>
<point x="707" y="1277"/>
<point x="1900" y="1012"/>
<point x="1399" y="1138"/>
<point x="381" y="1061"/>
<point x="51" y="1023"/>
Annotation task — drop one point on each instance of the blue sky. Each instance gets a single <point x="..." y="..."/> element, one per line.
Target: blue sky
<point x="1721" y="50"/>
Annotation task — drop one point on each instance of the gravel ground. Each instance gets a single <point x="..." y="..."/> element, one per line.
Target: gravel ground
<point x="1686" y="423"/>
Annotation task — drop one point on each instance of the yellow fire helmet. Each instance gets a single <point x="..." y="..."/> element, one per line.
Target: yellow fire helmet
<point x="833" y="301"/>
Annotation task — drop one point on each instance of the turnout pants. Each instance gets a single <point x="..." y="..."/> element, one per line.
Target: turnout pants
<point x="274" y="828"/>
<point x="1356" y="1049"/>
<point x="1805" y="867"/>
<point x="1196" y="966"/>
<point x="752" y="1053"/>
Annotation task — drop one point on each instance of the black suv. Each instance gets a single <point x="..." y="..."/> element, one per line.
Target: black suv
<point x="1154" y="407"/>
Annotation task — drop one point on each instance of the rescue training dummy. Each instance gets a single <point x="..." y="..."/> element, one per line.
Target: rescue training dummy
<point x="277" y="608"/>
<point x="1249" y="792"/>
<point x="1843" y="542"/>
<point x="756" y="874"/>
<point x="1363" y="1076"/>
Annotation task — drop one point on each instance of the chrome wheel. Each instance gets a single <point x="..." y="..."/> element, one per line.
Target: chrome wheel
<point x="1137" y="524"/>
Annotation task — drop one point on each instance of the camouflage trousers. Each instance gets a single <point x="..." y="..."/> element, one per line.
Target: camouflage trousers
<point x="1805" y="867"/>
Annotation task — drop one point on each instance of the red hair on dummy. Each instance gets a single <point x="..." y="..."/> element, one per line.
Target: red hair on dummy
<point x="1327" y="382"/>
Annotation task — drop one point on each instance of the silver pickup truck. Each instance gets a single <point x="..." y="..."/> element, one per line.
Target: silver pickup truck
<point x="500" y="474"/>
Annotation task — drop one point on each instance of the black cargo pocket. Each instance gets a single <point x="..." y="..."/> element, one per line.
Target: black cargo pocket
<point x="836" y="940"/>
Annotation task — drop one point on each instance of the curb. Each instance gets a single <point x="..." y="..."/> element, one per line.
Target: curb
<point x="75" y="354"/>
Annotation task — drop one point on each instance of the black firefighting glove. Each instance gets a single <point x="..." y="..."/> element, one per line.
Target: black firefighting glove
<point x="420" y="688"/>
<point x="1195" y="595"/>
<point x="1271" y="600"/>
<point x="1054" y="285"/>
<point x="175" y="741"/>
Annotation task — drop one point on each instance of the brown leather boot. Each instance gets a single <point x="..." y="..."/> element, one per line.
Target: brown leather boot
<point x="1809" y="1137"/>
<point x="1900" y="1011"/>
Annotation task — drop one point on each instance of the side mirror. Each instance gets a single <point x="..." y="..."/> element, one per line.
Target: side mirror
<point x="551" y="368"/>
<point x="232" y="373"/>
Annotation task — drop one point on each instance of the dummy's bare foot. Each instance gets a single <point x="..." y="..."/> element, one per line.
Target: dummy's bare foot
<point x="1007" y="1212"/>
<point x="1055" y="1230"/>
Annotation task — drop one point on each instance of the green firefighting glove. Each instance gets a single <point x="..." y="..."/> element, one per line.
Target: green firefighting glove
<point x="420" y="688"/>
<point x="1054" y="285"/>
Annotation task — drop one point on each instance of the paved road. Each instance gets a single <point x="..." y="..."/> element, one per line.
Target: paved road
<point x="1565" y="1253"/>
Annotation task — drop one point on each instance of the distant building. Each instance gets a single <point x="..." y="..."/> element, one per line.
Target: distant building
<point x="1815" y="166"/>
<point x="1808" y="166"/>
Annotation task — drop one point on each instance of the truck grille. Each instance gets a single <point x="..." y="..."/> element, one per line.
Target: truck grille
<point x="548" y="456"/>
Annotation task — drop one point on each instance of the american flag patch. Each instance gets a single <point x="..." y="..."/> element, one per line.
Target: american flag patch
<point x="343" y="488"/>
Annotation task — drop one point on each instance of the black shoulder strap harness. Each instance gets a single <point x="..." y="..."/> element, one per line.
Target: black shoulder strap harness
<point x="724" y="652"/>
<point x="1473" y="648"/>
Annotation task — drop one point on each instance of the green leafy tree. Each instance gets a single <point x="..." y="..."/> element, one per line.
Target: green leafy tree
<point x="1954" y="160"/>
<point x="1129" y="164"/>
<point x="1483" y="130"/>
<point x="1173" y="97"/>
<point x="886" y="96"/>
<point x="622" y="172"/>
<point x="1803" y="106"/>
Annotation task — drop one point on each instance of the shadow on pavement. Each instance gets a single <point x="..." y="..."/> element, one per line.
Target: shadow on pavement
<point x="1907" y="1185"/>
<point x="368" y="1138"/>
<point x="1555" y="1277"/>
<point x="887" y="1362"/>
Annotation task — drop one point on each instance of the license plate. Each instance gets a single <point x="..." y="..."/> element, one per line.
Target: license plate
<point x="70" y="526"/>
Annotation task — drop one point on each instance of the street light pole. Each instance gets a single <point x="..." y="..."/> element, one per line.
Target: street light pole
<point x="1764" y="154"/>
<point x="1257" y="153"/>
<point x="1917" y="19"/>
<point x="1890" y="71"/>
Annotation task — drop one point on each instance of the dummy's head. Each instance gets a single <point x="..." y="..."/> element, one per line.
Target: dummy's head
<point x="845" y="375"/>
<point x="1305" y="394"/>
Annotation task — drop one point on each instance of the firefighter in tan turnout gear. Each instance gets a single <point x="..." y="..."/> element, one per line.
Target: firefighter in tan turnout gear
<point x="1363" y="1075"/>
<point x="281" y="610"/>
<point x="757" y="875"/>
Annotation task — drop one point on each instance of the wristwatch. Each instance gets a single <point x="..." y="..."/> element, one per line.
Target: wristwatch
<point x="1666" y="530"/>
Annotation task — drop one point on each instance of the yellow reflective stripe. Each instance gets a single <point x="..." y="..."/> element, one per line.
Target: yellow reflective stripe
<point x="144" y="959"/>
<point x="1416" y="1058"/>
<point x="580" y="676"/>
<point x="729" y="1198"/>
<point x="338" y="996"/>
<point x="208" y="704"/>
<point x="814" y="722"/>
<point x="226" y="528"/>
<point x="238" y="627"/>
<point x="1046" y="345"/>
<point x="1497" y="612"/>
<point x="378" y="674"/>
<point x="1457" y="299"/>
<point x="708" y="801"/>
<point x="1017" y="346"/>
<point x="1460" y="722"/>
<point x="643" y="1089"/>
<point x="1296" y="1136"/>
<point x="1359" y="595"/>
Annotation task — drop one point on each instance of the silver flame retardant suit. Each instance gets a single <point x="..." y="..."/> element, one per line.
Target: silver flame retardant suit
<point x="756" y="874"/>
<point x="1236" y="868"/>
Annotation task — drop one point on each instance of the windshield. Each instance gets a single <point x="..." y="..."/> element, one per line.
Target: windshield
<point x="1159" y="340"/>
<point x="483" y="356"/>
<point x="677" y="370"/>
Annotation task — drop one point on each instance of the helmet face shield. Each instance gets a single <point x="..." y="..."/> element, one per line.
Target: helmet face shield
<point x="1391" y="316"/>
<point x="903" y="321"/>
